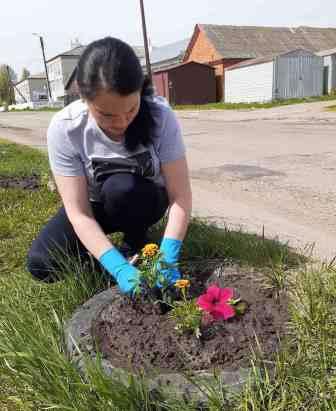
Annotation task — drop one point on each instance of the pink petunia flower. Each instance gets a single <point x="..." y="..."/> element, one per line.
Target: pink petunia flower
<point x="215" y="302"/>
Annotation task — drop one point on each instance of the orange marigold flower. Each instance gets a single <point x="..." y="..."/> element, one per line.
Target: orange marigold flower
<point x="150" y="250"/>
<point x="182" y="284"/>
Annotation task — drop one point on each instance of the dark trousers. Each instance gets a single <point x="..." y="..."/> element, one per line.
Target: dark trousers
<point x="130" y="204"/>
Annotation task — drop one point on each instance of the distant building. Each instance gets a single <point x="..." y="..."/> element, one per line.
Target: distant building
<point x="31" y="90"/>
<point x="60" y="68"/>
<point x="186" y="83"/>
<point x="223" y="46"/>
<point x="296" y="74"/>
<point x="329" y="75"/>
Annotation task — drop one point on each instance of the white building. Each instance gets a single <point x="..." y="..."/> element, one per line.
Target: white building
<point x="295" y="74"/>
<point x="60" y="68"/>
<point x="329" y="76"/>
<point x="31" y="90"/>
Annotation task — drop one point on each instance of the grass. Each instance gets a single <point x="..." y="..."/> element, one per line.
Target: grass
<point x="252" y="106"/>
<point x="35" y="373"/>
<point x="21" y="160"/>
<point x="331" y="108"/>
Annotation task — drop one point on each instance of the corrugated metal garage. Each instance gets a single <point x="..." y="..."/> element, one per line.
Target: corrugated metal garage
<point x="186" y="83"/>
<point x="296" y="74"/>
<point x="329" y="75"/>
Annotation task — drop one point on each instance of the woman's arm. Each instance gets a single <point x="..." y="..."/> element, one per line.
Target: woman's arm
<point x="177" y="180"/>
<point x="74" y="193"/>
<point x="178" y="187"/>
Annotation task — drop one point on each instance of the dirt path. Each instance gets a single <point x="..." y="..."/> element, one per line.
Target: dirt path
<point x="274" y="168"/>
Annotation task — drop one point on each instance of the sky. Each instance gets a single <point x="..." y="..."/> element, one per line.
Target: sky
<point x="62" y="21"/>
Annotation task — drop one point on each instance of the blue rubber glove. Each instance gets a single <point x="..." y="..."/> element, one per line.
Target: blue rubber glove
<point x="170" y="249"/>
<point x="121" y="270"/>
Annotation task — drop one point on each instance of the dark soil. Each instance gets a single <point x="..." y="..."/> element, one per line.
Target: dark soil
<point x="25" y="183"/>
<point x="139" y="336"/>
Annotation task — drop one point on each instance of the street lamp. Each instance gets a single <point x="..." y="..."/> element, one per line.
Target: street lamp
<point x="144" y="30"/>
<point x="45" y="64"/>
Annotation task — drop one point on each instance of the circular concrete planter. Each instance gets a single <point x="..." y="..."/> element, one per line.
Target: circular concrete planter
<point x="80" y="341"/>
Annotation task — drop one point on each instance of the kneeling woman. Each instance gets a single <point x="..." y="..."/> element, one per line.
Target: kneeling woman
<point x="119" y="163"/>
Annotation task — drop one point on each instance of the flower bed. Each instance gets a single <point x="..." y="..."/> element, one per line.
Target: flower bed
<point x="25" y="183"/>
<point x="210" y="321"/>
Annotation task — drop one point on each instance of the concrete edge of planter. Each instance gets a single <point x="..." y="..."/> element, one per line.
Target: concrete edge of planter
<point x="79" y="341"/>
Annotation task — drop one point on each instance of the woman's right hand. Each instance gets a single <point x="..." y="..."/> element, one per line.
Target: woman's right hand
<point x="125" y="274"/>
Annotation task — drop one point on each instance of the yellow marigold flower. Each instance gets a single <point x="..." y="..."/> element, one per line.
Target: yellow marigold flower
<point x="182" y="284"/>
<point x="150" y="250"/>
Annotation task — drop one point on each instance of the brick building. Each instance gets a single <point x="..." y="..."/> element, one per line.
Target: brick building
<point x="223" y="46"/>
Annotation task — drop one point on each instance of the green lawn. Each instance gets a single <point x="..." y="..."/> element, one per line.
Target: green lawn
<point x="331" y="108"/>
<point x="253" y="106"/>
<point x="35" y="373"/>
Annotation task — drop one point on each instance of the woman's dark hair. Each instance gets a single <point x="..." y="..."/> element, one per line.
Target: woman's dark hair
<point x="111" y="65"/>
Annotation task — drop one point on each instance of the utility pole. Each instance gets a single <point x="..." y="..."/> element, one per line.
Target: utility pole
<point x="144" y="31"/>
<point x="45" y="64"/>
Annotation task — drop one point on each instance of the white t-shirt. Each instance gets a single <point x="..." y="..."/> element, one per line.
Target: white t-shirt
<point x="78" y="147"/>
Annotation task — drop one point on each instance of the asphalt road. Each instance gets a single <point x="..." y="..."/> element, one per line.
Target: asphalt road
<point x="272" y="168"/>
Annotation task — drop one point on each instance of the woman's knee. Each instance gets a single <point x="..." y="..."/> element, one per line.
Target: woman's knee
<point x="55" y="241"/>
<point x="129" y="199"/>
<point x="39" y="267"/>
<point x="118" y="188"/>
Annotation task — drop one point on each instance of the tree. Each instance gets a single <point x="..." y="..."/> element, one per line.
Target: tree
<point x="6" y="90"/>
<point x="25" y="74"/>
